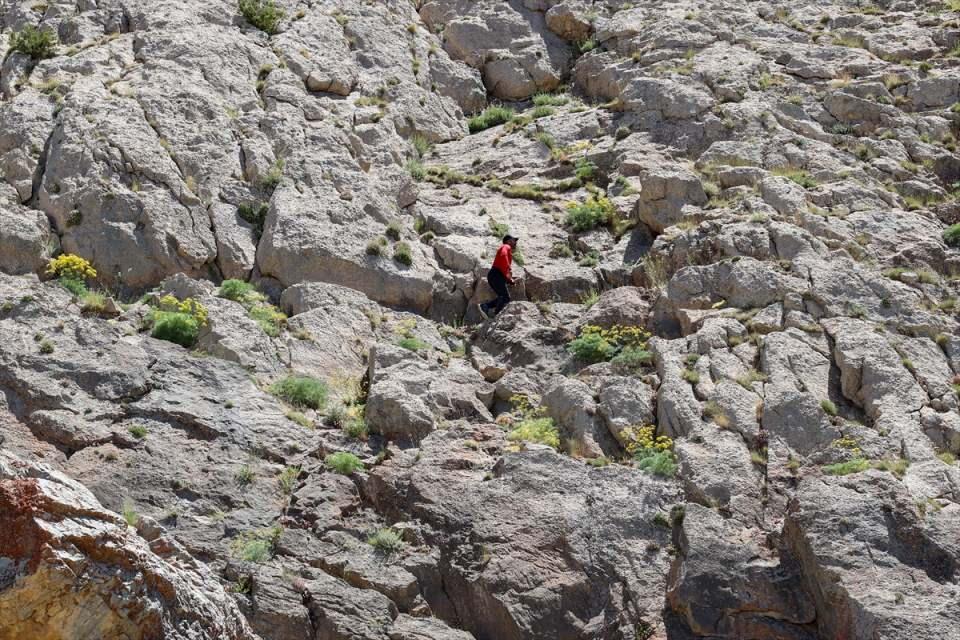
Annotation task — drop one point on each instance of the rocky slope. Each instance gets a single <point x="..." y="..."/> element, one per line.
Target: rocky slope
<point x="768" y="188"/>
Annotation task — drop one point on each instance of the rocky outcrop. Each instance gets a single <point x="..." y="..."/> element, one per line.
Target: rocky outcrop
<point x="72" y="569"/>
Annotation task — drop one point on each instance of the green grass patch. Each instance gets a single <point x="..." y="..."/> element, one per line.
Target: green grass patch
<point x="301" y="391"/>
<point x="263" y="14"/>
<point x="537" y="430"/>
<point x="490" y="117"/>
<point x="343" y="463"/>
<point x="386" y="541"/>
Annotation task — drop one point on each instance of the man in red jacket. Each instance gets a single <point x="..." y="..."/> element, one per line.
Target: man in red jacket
<point x="499" y="277"/>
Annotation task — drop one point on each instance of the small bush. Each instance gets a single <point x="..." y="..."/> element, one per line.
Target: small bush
<point x="537" y="430"/>
<point x="386" y="541"/>
<point x="632" y="358"/>
<point x="951" y="235"/>
<point x="76" y="287"/>
<point x="550" y="100"/>
<point x="402" y="254"/>
<point x="828" y="407"/>
<point x="542" y="112"/>
<point x="72" y="267"/>
<point x="585" y="169"/>
<point x="244" y="475"/>
<point x="561" y="250"/>
<point x="269" y="318"/>
<point x="589" y="299"/>
<point x="716" y="414"/>
<point x="798" y="176"/>
<point x="490" y="117"/>
<point x="287" y="480"/>
<point x="413" y="344"/>
<point x="239" y="291"/>
<point x="416" y="169"/>
<point x="746" y="380"/>
<point x="343" y="463"/>
<point x="691" y="376"/>
<point x="300" y="419"/>
<point x="130" y="513"/>
<point x="356" y="427"/>
<point x="525" y="192"/>
<point x="420" y="144"/>
<point x="256" y="546"/>
<point x="34" y="42"/>
<point x="651" y="453"/>
<point x="394" y="230"/>
<point x="46" y="347"/>
<point x="301" y="391"/>
<point x="263" y="14"/>
<point x="592" y="213"/>
<point x="254" y="213"/>
<point x="846" y="468"/>
<point x="377" y="246"/>
<point x="591" y="347"/>
<point x="93" y="302"/>
<point x="176" y="327"/>
<point x="138" y="431"/>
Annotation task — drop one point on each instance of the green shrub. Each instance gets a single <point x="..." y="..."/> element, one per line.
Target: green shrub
<point x="845" y="468"/>
<point x="591" y="347"/>
<point x="633" y="358"/>
<point x="301" y="391"/>
<point x="343" y="463"/>
<point x="538" y="430"/>
<point x="256" y="546"/>
<point x="34" y="42"/>
<point x="255" y="213"/>
<point x="386" y="541"/>
<point x="561" y="250"/>
<point x="590" y="298"/>
<point x="490" y="117"/>
<point x="239" y="291"/>
<point x="592" y="213"/>
<point x="828" y="407"/>
<point x="525" y="192"/>
<point x="394" y="230"/>
<point x="585" y="169"/>
<point x="377" y="246"/>
<point x="583" y="46"/>
<point x="651" y="453"/>
<point x="269" y="318"/>
<point x="263" y="14"/>
<point x="660" y="463"/>
<point x="138" y="431"/>
<point x="542" y="111"/>
<point x="798" y="176"/>
<point x="420" y="144"/>
<point x="412" y="343"/>
<point x="300" y="419"/>
<point x="691" y="376"/>
<point x="416" y="169"/>
<point x="46" y="347"/>
<point x="74" y="286"/>
<point x="549" y="100"/>
<point x="244" y="475"/>
<point x="287" y="480"/>
<point x="174" y="326"/>
<point x="402" y="254"/>
<point x="130" y="513"/>
<point x="93" y="302"/>
<point x="952" y="235"/>
<point x="356" y="427"/>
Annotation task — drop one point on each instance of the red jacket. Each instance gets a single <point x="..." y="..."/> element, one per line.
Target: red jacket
<point x="504" y="260"/>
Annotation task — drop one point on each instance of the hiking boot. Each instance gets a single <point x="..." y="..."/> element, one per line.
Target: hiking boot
<point x="482" y="307"/>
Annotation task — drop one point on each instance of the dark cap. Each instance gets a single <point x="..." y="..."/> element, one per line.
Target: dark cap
<point x="507" y="238"/>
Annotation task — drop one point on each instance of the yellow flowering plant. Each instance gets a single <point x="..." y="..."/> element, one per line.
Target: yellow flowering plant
<point x="651" y="453"/>
<point x="71" y="266"/>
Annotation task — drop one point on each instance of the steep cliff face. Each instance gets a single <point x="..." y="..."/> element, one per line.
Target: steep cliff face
<point x="723" y="403"/>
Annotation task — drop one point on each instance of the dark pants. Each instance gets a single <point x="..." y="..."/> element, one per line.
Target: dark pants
<point x="498" y="282"/>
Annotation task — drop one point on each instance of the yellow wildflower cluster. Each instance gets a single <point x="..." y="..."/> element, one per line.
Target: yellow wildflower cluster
<point x="643" y="439"/>
<point x="619" y="335"/>
<point x="188" y="306"/>
<point x="524" y="408"/>
<point x="848" y="443"/>
<point x="72" y="267"/>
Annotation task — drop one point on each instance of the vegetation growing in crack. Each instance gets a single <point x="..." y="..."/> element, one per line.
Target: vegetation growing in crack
<point x="533" y="425"/>
<point x="623" y="345"/>
<point x="263" y="14"/>
<point x="177" y="321"/>
<point x="301" y="391"/>
<point x="651" y="453"/>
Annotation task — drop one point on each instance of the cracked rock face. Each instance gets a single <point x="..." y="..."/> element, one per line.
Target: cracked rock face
<point x="762" y="197"/>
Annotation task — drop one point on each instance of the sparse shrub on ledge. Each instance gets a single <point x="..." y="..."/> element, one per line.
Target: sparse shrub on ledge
<point x="651" y="453"/>
<point x="595" y="344"/>
<point x="177" y="321"/>
<point x="34" y="42"/>
<point x="343" y="463"/>
<point x="72" y="272"/>
<point x="301" y="391"/>
<point x="263" y="14"/>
